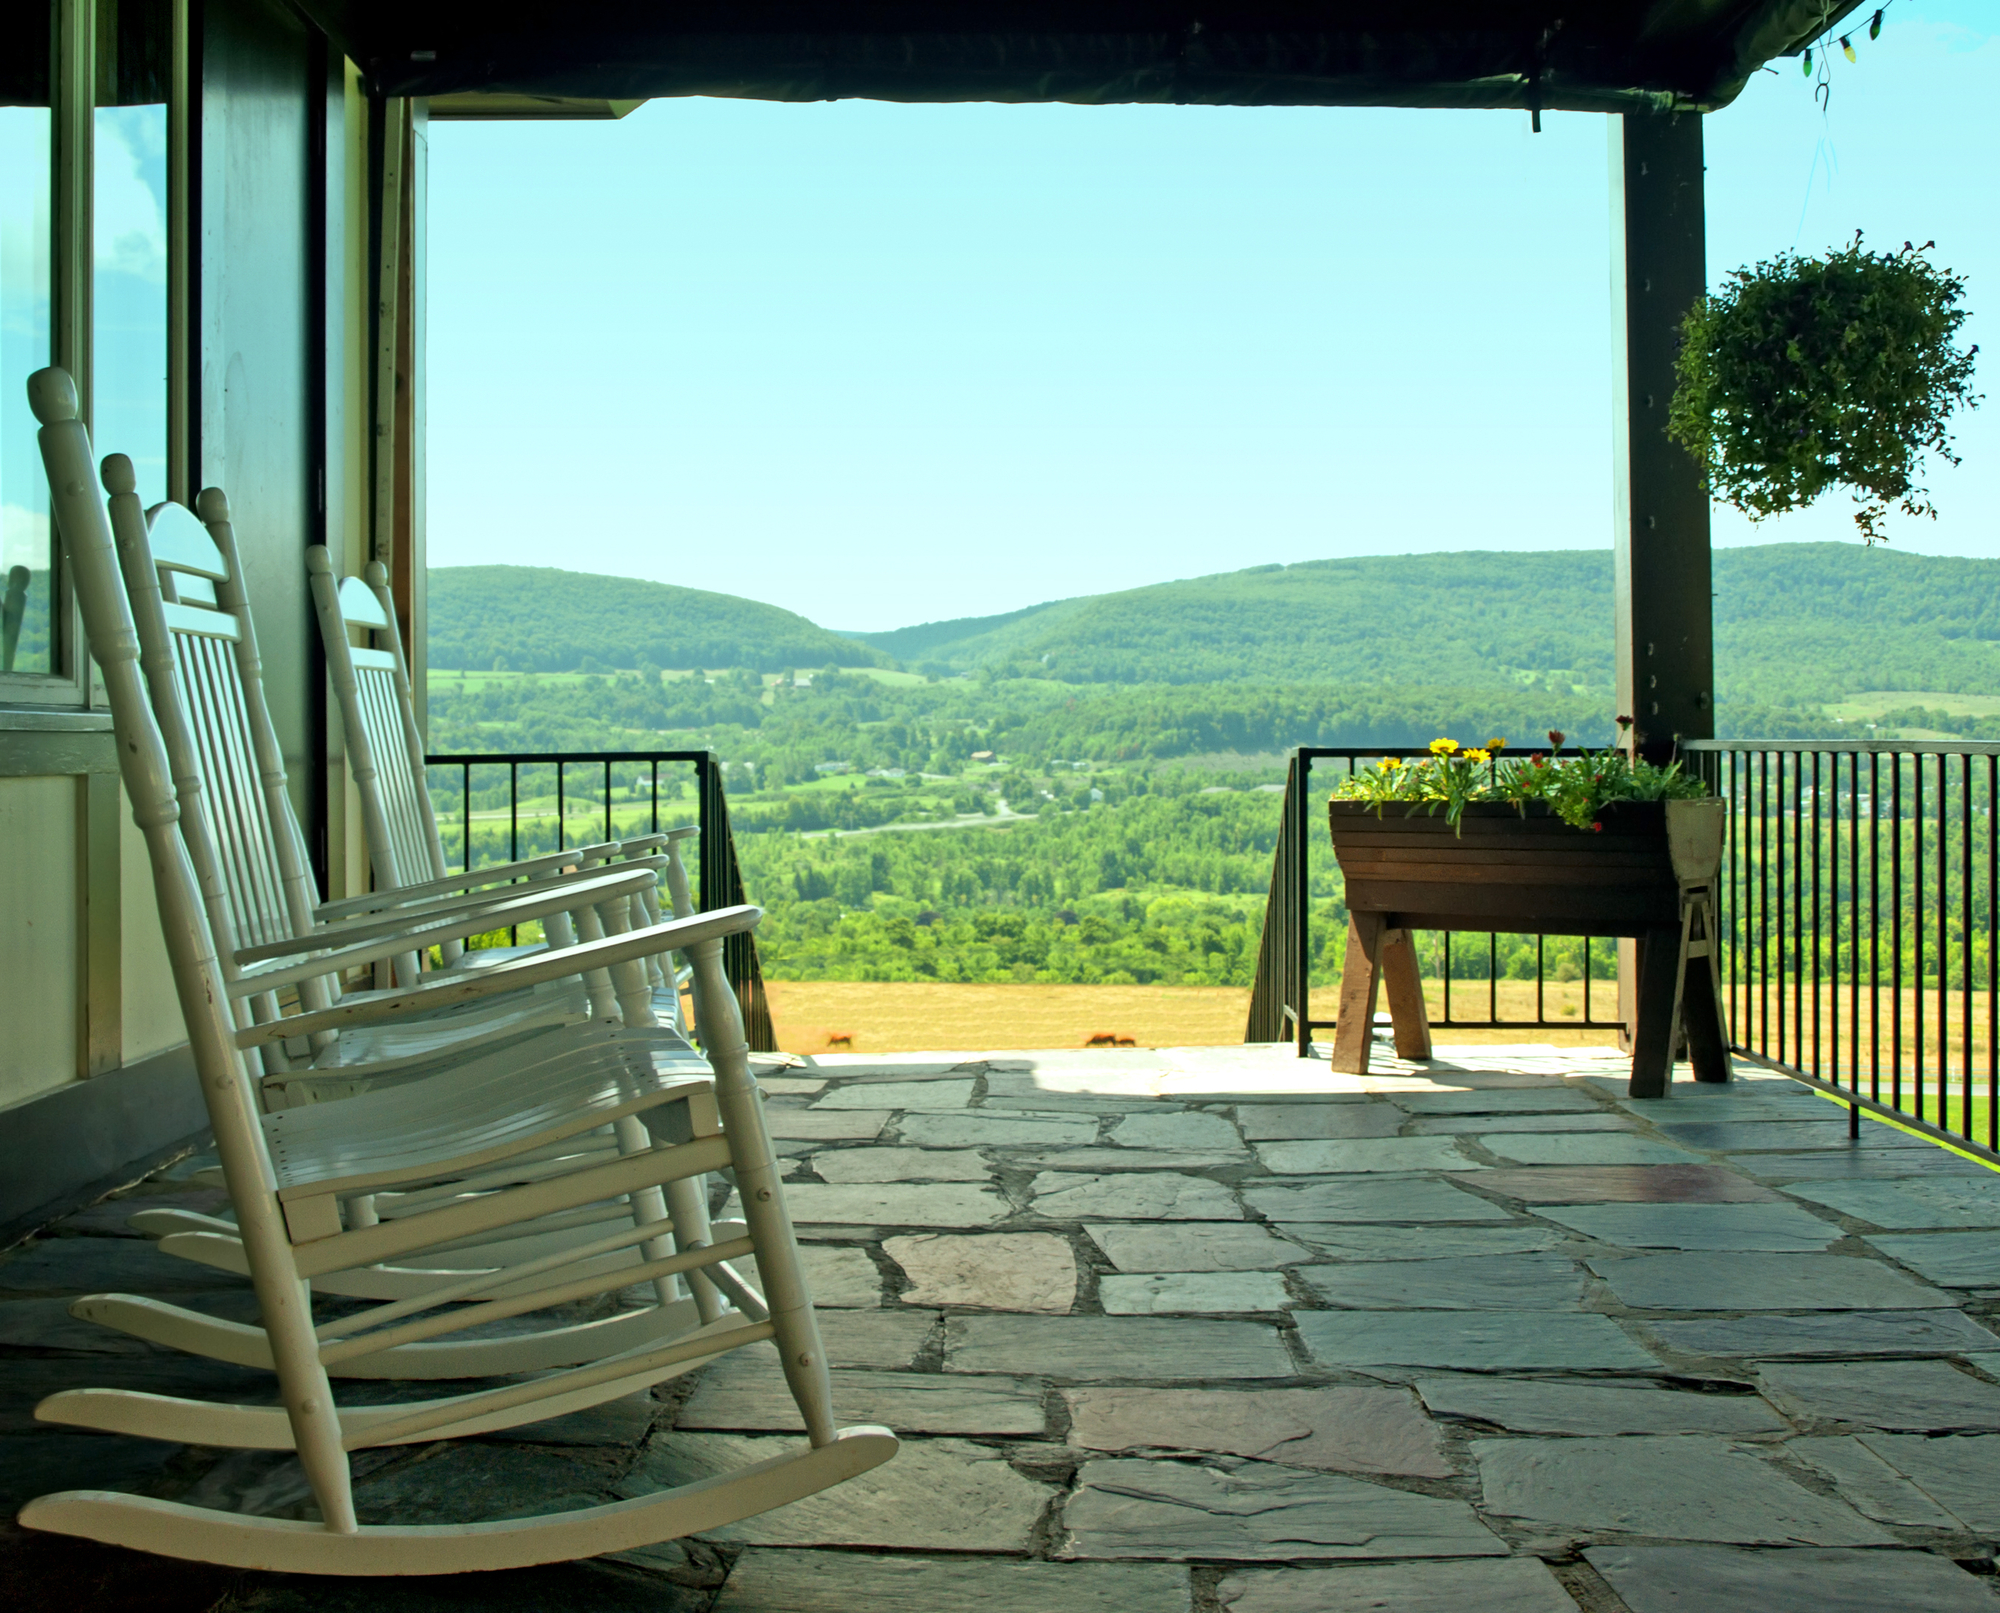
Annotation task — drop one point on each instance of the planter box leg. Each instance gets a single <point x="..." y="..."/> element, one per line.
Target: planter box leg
<point x="1360" y="982"/>
<point x="1653" y="1041"/>
<point x="1701" y="995"/>
<point x="1406" y="995"/>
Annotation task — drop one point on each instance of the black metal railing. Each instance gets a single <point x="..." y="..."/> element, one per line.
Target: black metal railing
<point x="1859" y="887"/>
<point x="546" y="818"/>
<point x="1281" y="998"/>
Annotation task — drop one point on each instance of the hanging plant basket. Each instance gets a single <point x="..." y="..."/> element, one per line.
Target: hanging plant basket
<point x="1807" y="373"/>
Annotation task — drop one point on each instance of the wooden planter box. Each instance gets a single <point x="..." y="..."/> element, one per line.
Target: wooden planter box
<point x="1531" y="873"/>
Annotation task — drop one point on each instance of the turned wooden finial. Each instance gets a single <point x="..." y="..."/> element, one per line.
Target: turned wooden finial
<point x="375" y="574"/>
<point x="212" y="505"/>
<point x="52" y="395"/>
<point x="318" y="561"/>
<point x="119" y="476"/>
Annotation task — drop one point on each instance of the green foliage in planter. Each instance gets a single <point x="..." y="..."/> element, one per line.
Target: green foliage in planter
<point x="1806" y="373"/>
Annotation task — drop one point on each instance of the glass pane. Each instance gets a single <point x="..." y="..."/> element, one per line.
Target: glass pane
<point x="129" y="351"/>
<point x="25" y="547"/>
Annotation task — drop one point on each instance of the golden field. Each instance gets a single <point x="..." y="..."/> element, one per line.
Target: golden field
<point x="911" y="1016"/>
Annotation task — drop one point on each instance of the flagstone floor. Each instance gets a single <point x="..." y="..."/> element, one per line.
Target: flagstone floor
<point x="1196" y="1330"/>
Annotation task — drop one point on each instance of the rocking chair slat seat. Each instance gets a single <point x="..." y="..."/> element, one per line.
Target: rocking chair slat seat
<point x="490" y="1109"/>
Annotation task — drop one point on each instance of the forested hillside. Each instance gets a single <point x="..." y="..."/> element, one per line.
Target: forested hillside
<point x="1074" y="792"/>
<point x="538" y="619"/>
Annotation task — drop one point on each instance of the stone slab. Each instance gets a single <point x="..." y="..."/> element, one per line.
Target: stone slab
<point x="1778" y="1227"/>
<point x="1478" y="1125"/>
<point x="105" y="1265"/>
<point x="825" y="1125"/>
<point x="1127" y="1159"/>
<point x="840" y="1276"/>
<point x="1582" y="1148"/>
<point x="1707" y="1280"/>
<point x="933" y="1495"/>
<point x="1297" y="1122"/>
<point x="1828" y="1333"/>
<point x="1393" y="1198"/>
<point x="893" y="1204"/>
<point x="767" y="1580"/>
<point x="112" y="1218"/>
<point x="977" y="1129"/>
<point x="1761" y="1136"/>
<point x="1177" y="1130"/>
<point x="1500" y="1585"/>
<point x="1489" y="1341"/>
<point x="901" y="1165"/>
<point x="1193" y="1246"/>
<point x="1258" y="1510"/>
<point x="1010" y="1271"/>
<point x="1866" y="1165"/>
<point x="1697" y="1101"/>
<point x="1353" y="1430"/>
<point x="790" y="1086"/>
<point x="1959" y="1471"/>
<point x="745" y="1392"/>
<point x="48" y="1460"/>
<point x="898" y="1095"/>
<point x="1542" y="1098"/>
<point x="1385" y="1154"/>
<point x="1433" y="1243"/>
<point x="1087" y="1348"/>
<point x="1625" y="1184"/>
<point x="1171" y="1293"/>
<point x="1156" y="1196"/>
<point x="1925" y="1397"/>
<point x="1956" y="1259"/>
<point x="1920" y="1205"/>
<point x="1552" y="1406"/>
<point x="1476" y="1282"/>
<point x="1673" y="1487"/>
<point x="1869" y="1484"/>
<point x="875" y="1338"/>
<point x="1697" y="1579"/>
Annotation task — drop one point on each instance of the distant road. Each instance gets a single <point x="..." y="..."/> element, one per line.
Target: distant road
<point x="964" y="820"/>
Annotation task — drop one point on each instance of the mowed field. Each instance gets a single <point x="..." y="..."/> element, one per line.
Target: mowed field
<point x="905" y="1017"/>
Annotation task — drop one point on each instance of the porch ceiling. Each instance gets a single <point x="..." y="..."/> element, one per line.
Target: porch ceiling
<point x="1419" y="53"/>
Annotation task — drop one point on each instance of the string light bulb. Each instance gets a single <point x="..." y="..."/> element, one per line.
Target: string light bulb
<point x="1875" y="26"/>
<point x="1846" y="49"/>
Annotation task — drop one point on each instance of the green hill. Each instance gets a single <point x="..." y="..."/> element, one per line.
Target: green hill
<point x="1794" y="623"/>
<point x="537" y="619"/>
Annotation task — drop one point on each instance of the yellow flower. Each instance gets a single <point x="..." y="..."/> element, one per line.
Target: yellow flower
<point x="1443" y="747"/>
<point x="1391" y="763"/>
<point x="1478" y="755"/>
<point x="1496" y="744"/>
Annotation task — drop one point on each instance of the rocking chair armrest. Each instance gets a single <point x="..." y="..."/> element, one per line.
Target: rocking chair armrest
<point x="577" y="889"/>
<point x="448" y="988"/>
<point x="639" y="845"/>
<point x="498" y="874"/>
<point x="393" y="940"/>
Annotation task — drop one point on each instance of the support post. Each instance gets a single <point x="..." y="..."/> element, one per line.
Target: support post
<point x="1660" y="571"/>
<point x="1665" y="640"/>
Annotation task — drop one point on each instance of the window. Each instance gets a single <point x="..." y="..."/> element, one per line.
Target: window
<point x="25" y="542"/>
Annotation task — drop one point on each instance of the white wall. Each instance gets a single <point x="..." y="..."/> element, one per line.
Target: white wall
<point x="39" y="980"/>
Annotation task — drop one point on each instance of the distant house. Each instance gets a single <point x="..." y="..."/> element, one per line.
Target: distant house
<point x="982" y="756"/>
<point x="802" y="680"/>
<point x="833" y="767"/>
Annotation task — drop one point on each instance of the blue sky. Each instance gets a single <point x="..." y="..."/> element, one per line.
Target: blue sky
<point x="883" y="364"/>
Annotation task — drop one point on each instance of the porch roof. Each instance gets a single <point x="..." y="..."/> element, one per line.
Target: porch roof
<point x="1690" y="54"/>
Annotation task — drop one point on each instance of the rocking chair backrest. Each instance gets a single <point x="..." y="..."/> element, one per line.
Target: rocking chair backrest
<point x="384" y="745"/>
<point x="199" y="651"/>
<point x="85" y="531"/>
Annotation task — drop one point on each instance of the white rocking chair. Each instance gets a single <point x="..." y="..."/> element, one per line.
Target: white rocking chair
<point x="289" y="1174"/>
